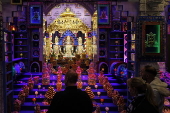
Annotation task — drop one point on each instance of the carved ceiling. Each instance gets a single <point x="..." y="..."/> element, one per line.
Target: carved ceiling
<point x="47" y="6"/>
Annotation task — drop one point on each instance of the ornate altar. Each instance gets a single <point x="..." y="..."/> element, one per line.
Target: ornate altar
<point x="67" y="42"/>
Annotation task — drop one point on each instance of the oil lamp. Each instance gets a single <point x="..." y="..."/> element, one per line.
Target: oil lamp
<point x="96" y="86"/>
<point x="98" y="93"/>
<point x="36" y="93"/>
<point x="34" y="99"/>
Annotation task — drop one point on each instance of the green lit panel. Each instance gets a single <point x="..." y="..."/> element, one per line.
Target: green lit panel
<point x="152" y="39"/>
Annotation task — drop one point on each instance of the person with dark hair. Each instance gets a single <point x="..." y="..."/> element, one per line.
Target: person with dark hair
<point x="149" y="74"/>
<point x="143" y="97"/>
<point x="71" y="100"/>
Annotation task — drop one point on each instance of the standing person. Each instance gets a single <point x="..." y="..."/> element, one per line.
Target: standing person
<point x="143" y="97"/>
<point x="71" y="100"/>
<point x="160" y="90"/>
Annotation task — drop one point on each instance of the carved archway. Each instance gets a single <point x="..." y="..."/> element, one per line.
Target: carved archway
<point x="47" y="6"/>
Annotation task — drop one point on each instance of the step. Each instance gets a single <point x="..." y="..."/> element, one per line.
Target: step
<point x="42" y="91"/>
<point x="85" y="84"/>
<point x="41" y="98"/>
<point x="40" y="74"/>
<point x="28" y="106"/>
<point x="31" y="105"/>
<point x="23" y="111"/>
<point x="54" y="78"/>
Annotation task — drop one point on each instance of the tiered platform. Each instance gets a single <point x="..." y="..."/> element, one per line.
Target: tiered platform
<point x="28" y="106"/>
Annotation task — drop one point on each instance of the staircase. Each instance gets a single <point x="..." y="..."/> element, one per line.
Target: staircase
<point x="28" y="106"/>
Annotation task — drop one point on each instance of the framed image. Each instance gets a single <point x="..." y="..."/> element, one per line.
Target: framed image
<point x="102" y="36"/>
<point x="116" y="26"/>
<point x="152" y="38"/>
<point x="102" y="53"/>
<point x="103" y="14"/>
<point x="35" y="14"/>
<point x="116" y="15"/>
<point x="35" y="36"/>
<point x="35" y="52"/>
<point x="16" y="2"/>
<point x="22" y="27"/>
<point x="124" y="26"/>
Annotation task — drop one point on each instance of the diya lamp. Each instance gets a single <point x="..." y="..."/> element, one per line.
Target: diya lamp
<point x="39" y="86"/>
<point x="96" y="86"/>
<point x="101" y="100"/>
<point x="34" y="99"/>
<point x="36" y="93"/>
<point x="21" y="54"/>
<point x="102" y="69"/>
<point x="98" y="93"/>
<point x="107" y="109"/>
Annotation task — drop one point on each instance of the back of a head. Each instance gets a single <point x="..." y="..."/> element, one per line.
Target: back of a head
<point x="71" y="76"/>
<point x="142" y="87"/>
<point x="137" y="83"/>
<point x="151" y="70"/>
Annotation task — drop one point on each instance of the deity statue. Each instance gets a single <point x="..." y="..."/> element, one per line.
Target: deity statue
<point x="56" y="47"/>
<point x="94" y="49"/>
<point x="48" y="48"/>
<point x="89" y="47"/>
<point x="80" y="47"/>
<point x="103" y="15"/>
<point x="150" y="42"/>
<point x="80" y="41"/>
<point x="94" y="45"/>
<point x="56" y="40"/>
<point x="44" y="46"/>
<point x="94" y="40"/>
<point x="68" y="47"/>
<point x="36" y="15"/>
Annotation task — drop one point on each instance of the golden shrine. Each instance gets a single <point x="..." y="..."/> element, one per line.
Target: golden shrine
<point x="63" y="48"/>
<point x="68" y="21"/>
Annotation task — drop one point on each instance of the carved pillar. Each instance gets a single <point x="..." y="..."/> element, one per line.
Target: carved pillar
<point x="152" y="7"/>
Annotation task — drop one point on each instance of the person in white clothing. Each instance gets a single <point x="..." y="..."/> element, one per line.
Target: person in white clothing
<point x="160" y="90"/>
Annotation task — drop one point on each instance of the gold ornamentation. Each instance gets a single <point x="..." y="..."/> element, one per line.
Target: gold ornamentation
<point x="68" y="21"/>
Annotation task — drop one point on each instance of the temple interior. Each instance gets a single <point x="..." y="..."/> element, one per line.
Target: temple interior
<point x="105" y="42"/>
